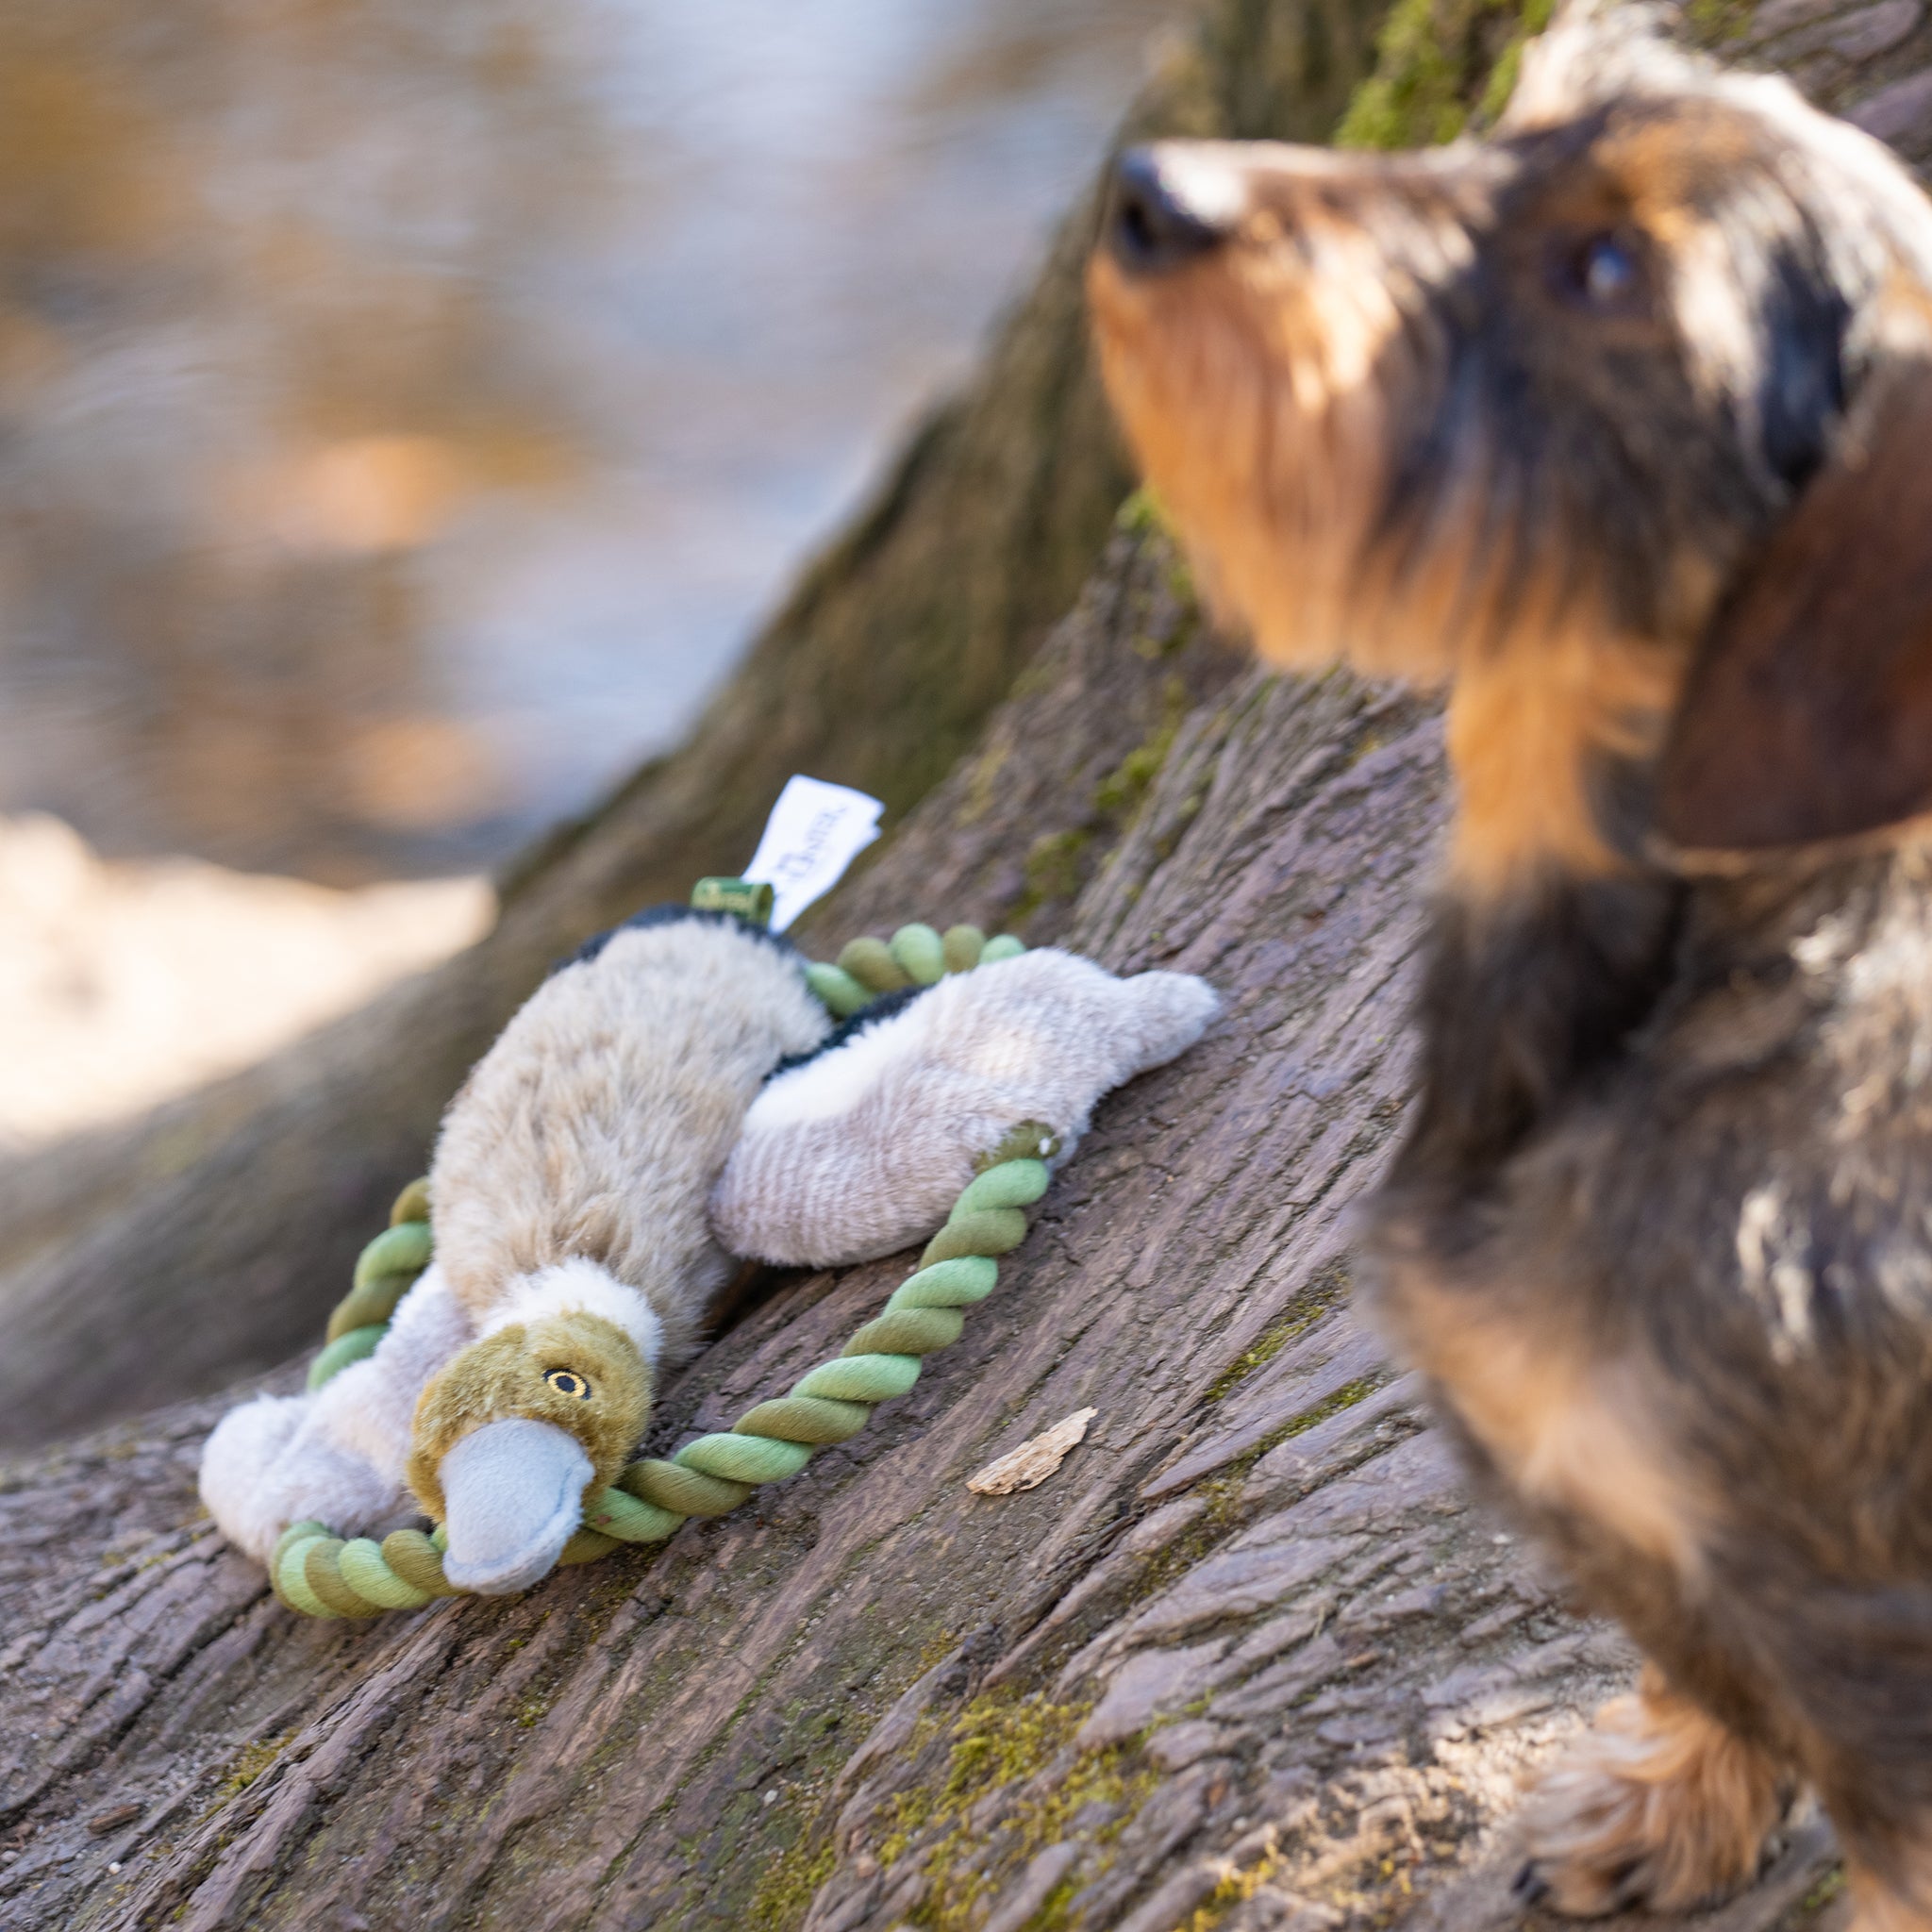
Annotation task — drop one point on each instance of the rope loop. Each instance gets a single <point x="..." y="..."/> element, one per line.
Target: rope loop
<point x="321" y="1575"/>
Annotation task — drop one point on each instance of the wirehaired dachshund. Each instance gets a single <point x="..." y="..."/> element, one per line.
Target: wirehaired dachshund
<point x="1619" y="423"/>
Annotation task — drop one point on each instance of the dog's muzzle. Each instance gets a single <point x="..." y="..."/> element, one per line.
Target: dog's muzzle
<point x="1168" y="205"/>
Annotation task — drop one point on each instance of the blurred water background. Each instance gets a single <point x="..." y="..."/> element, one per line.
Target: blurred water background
<point x="408" y="409"/>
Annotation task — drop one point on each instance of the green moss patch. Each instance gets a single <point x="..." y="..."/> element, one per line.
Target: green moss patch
<point x="791" y="1882"/>
<point x="1328" y="1290"/>
<point x="248" y="1764"/>
<point x="1443" y="68"/>
<point x="1013" y="1749"/>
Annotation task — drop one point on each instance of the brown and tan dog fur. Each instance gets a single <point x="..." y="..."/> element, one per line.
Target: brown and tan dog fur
<point x="1620" y="424"/>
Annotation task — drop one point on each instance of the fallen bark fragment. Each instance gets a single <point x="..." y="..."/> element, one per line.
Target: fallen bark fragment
<point x="1031" y="1463"/>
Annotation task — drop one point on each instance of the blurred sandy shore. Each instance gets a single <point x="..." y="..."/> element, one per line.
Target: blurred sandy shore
<point x="124" y="983"/>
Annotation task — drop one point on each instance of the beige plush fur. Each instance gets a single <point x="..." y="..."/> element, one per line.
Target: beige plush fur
<point x="593" y="1128"/>
<point x="573" y="1253"/>
<point x="570" y="1180"/>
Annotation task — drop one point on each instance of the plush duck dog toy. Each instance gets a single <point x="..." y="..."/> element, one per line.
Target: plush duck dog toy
<point x="671" y="1097"/>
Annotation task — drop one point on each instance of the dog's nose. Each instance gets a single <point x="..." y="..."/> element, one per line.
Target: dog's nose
<point x="1167" y="208"/>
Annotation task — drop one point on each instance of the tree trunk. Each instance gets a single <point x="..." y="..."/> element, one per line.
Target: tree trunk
<point x="1244" y="1641"/>
<point x="1248" y="1660"/>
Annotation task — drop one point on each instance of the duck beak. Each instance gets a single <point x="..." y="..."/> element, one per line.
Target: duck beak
<point x="513" y="1492"/>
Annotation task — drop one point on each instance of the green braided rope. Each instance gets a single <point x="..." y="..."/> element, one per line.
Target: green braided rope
<point x="322" y="1575"/>
<point x="384" y="1273"/>
<point x="914" y="956"/>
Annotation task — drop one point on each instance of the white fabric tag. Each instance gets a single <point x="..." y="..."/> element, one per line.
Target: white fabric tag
<point x="815" y="831"/>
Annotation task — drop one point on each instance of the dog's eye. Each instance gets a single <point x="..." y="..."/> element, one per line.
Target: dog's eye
<point x="568" y="1382"/>
<point x="1600" y="272"/>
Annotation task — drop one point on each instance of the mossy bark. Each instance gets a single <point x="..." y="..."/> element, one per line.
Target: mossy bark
<point x="1249" y="1660"/>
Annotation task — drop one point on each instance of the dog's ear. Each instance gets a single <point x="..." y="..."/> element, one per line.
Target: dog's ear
<point x="1806" y="717"/>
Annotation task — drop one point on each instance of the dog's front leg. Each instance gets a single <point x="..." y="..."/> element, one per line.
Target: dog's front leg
<point x="1659" y="1804"/>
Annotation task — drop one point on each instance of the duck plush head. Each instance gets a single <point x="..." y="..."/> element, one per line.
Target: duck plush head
<point x="519" y="1433"/>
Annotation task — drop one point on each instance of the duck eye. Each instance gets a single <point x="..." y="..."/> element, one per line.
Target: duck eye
<point x="568" y="1382"/>
<point x="1601" y="272"/>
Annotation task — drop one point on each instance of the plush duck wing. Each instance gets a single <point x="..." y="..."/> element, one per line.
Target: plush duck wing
<point x="862" y="1149"/>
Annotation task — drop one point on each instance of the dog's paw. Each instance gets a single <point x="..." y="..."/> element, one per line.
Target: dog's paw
<point x="1657" y="1806"/>
<point x="1880" y="1906"/>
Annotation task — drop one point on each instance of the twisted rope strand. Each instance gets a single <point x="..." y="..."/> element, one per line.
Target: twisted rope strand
<point x="321" y="1575"/>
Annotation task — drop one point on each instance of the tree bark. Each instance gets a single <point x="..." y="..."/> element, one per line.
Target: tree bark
<point x="1244" y="1650"/>
<point x="1248" y="1660"/>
